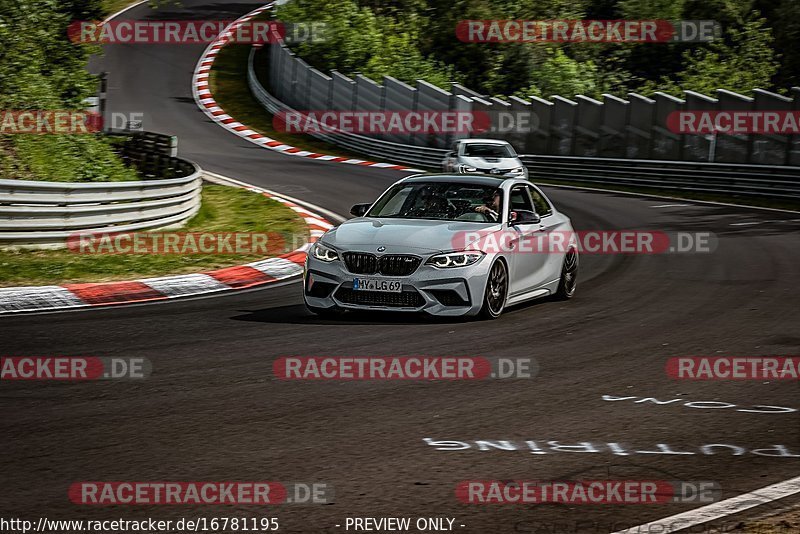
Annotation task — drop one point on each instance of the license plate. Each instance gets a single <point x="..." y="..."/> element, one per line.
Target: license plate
<point x="376" y="284"/>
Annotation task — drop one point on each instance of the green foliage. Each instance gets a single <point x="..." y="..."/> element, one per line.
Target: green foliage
<point x="40" y="68"/>
<point x="358" y="40"/>
<point x="561" y="75"/>
<point x="651" y="9"/>
<point x="786" y="24"/>
<point x="416" y="39"/>
<point x="741" y="62"/>
<point x="67" y="158"/>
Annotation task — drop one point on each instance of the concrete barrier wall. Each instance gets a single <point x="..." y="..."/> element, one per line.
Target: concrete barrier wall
<point x="633" y="127"/>
<point x="398" y="96"/>
<point x="432" y="99"/>
<point x="753" y="180"/>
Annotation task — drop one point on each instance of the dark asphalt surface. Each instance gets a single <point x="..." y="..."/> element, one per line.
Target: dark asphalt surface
<point x="212" y="410"/>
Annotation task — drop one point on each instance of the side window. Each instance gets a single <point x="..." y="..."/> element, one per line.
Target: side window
<point x="519" y="199"/>
<point x="543" y="208"/>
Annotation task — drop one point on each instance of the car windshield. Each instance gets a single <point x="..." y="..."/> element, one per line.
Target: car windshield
<point x="440" y="201"/>
<point x="475" y="150"/>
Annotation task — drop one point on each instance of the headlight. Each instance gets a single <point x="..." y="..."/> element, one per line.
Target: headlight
<point x="517" y="170"/>
<point x="455" y="259"/>
<point x="323" y="253"/>
<point x="466" y="168"/>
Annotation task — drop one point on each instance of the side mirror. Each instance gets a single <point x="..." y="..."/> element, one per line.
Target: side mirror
<point x="358" y="210"/>
<point x="524" y="217"/>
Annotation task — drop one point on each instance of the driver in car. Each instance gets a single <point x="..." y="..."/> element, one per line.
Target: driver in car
<point x="427" y="201"/>
<point x="492" y="208"/>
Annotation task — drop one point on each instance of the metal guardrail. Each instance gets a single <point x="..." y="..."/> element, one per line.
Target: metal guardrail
<point x="394" y="152"/>
<point x="716" y="178"/>
<point x="47" y="213"/>
<point x="154" y="155"/>
<point x="739" y="179"/>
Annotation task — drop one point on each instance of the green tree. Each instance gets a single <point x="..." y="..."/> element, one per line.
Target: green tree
<point x="411" y="39"/>
<point x="651" y="9"/>
<point x="742" y="62"/>
<point x="786" y="26"/>
<point x="40" y="68"/>
<point x="563" y="76"/>
<point x="358" y="40"/>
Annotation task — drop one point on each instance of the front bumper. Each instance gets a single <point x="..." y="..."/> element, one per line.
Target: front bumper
<point x="446" y="292"/>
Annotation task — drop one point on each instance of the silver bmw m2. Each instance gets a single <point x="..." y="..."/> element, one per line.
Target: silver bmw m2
<point x="446" y="245"/>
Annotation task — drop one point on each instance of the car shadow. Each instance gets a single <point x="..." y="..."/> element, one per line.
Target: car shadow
<point x="298" y="314"/>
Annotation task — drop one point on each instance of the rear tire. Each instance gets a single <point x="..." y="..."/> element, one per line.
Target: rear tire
<point x="569" y="276"/>
<point x="494" y="298"/>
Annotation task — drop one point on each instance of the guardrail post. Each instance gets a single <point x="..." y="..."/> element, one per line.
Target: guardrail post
<point x="540" y="141"/>
<point x="103" y="97"/>
<point x="699" y="147"/>
<point x="666" y="144"/>
<point x="793" y="156"/>
<point x="615" y="118"/>
<point x="734" y="148"/>
<point x="564" y="120"/>
<point x="588" y="119"/>
<point x="173" y="146"/>
<point x="771" y="149"/>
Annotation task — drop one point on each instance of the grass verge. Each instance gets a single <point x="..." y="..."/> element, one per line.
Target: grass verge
<point x="62" y="158"/>
<point x="224" y="209"/>
<point x="112" y="6"/>
<point x="228" y="83"/>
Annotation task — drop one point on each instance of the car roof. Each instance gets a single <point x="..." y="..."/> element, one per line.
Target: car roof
<point x="457" y="179"/>
<point x="484" y="141"/>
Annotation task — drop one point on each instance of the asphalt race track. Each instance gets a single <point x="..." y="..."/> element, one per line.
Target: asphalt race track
<point x="213" y="411"/>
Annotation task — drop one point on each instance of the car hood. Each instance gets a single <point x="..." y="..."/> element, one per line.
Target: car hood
<point x="366" y="234"/>
<point x="491" y="163"/>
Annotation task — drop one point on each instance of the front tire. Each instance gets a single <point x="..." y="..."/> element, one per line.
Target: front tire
<point x="494" y="298"/>
<point x="569" y="276"/>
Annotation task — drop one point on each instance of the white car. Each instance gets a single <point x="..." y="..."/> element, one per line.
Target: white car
<point x="430" y="244"/>
<point x="484" y="156"/>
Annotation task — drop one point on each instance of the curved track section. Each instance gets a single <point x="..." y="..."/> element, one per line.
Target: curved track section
<point x="205" y="100"/>
<point x="211" y="409"/>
